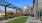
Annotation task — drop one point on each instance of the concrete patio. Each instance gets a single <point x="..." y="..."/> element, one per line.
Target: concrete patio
<point x="32" y="20"/>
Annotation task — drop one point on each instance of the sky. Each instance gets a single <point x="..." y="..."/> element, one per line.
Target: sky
<point x="19" y="3"/>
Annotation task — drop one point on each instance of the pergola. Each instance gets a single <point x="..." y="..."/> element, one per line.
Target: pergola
<point x="7" y="4"/>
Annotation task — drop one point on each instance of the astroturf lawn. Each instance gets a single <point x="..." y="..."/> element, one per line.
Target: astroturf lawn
<point x="19" y="20"/>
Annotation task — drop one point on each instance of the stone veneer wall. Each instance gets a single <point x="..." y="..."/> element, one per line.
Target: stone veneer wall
<point x="35" y="9"/>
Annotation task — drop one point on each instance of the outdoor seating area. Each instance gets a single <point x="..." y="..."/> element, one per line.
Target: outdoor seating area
<point x="9" y="14"/>
<point x="20" y="11"/>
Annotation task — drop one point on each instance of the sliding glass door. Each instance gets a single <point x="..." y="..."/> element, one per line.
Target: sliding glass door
<point x="40" y="15"/>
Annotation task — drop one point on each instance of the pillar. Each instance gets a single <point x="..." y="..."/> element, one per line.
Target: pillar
<point x="16" y="12"/>
<point x="35" y="8"/>
<point x="5" y="14"/>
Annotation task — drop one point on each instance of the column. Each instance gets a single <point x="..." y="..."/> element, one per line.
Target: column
<point x="35" y="9"/>
<point x="16" y="12"/>
<point x="5" y="14"/>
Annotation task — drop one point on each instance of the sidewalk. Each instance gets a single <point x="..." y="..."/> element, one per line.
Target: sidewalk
<point x="4" y="21"/>
<point x="32" y="20"/>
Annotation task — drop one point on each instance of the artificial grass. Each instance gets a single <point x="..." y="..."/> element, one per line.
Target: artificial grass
<point x="19" y="20"/>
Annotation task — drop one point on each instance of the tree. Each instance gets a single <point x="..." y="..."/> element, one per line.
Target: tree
<point x="10" y="14"/>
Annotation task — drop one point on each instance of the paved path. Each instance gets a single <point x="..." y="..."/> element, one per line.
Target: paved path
<point x="41" y="21"/>
<point x="4" y="21"/>
<point x="32" y="20"/>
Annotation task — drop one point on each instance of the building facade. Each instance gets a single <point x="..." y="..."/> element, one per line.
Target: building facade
<point x="20" y="12"/>
<point x="37" y="9"/>
<point x="2" y="13"/>
<point x="40" y="9"/>
<point x="27" y="10"/>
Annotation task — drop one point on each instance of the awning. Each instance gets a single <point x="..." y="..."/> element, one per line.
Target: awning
<point x="5" y="3"/>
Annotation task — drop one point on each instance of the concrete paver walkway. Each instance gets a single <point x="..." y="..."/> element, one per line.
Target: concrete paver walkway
<point x="32" y="20"/>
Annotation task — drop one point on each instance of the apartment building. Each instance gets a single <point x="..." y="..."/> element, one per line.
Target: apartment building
<point x="37" y="8"/>
<point x="2" y="13"/>
<point x="27" y="9"/>
<point x="40" y="9"/>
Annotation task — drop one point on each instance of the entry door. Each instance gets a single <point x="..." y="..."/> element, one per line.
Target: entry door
<point x="40" y="15"/>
